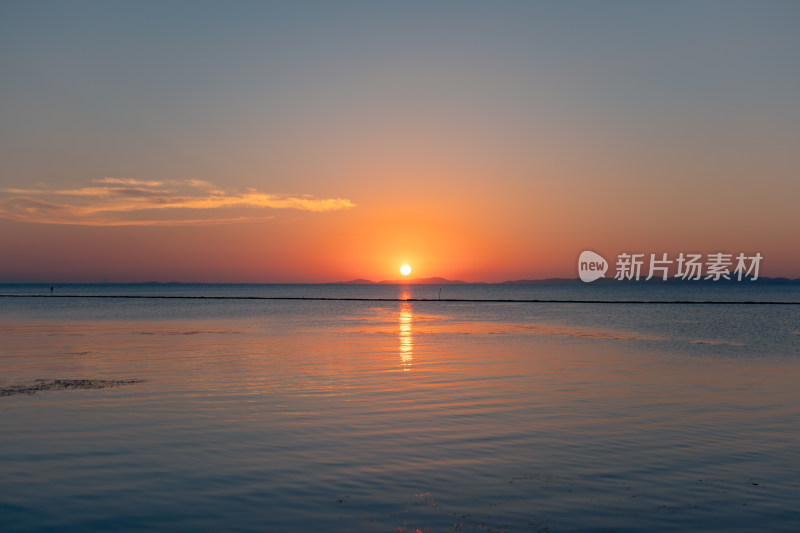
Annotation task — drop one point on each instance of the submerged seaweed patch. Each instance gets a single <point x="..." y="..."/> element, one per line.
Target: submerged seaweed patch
<point x="40" y="385"/>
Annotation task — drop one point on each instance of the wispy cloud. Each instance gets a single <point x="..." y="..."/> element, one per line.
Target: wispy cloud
<point x="129" y="181"/>
<point x="131" y="202"/>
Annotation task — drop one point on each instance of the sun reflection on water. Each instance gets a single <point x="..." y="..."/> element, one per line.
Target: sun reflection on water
<point x="405" y="335"/>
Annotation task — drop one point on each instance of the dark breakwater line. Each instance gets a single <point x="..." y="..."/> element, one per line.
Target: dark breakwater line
<point x="353" y="299"/>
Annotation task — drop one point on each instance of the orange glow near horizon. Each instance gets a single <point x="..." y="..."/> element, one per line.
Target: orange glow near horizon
<point x="466" y="233"/>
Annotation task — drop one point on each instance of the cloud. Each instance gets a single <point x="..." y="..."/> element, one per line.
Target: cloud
<point x="131" y="202"/>
<point x="129" y="181"/>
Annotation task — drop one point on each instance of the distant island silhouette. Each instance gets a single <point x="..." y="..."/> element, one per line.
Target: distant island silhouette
<point x="444" y="281"/>
<point x="415" y="281"/>
<point x="557" y="281"/>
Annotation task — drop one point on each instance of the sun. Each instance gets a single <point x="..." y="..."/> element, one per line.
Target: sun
<point x="405" y="270"/>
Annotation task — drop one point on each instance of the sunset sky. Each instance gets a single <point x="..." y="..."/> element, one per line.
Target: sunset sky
<point x="326" y="141"/>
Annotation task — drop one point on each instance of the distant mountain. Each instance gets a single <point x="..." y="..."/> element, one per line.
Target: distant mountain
<point x="762" y="280"/>
<point x="562" y="281"/>
<point x="547" y="281"/>
<point x="414" y="281"/>
<point x="426" y="281"/>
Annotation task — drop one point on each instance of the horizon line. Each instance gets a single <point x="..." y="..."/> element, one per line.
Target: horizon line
<point x="351" y="299"/>
<point x="415" y="281"/>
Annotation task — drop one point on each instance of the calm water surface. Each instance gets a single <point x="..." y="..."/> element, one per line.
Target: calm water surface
<point x="273" y="415"/>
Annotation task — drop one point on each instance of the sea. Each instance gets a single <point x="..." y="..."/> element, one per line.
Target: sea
<point x="400" y="408"/>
